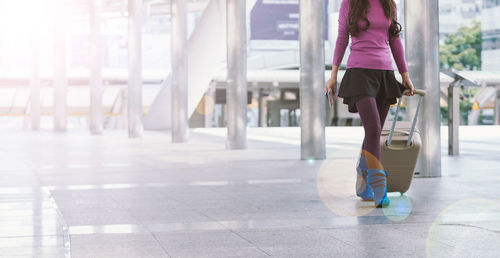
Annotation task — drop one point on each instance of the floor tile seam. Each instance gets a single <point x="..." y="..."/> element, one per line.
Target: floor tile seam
<point x="214" y="220"/>
<point x="250" y="242"/>
<point x="355" y="226"/>
<point x="142" y="224"/>
<point x="469" y="226"/>
<point x="344" y="242"/>
<point x="134" y="217"/>
<point x="301" y="227"/>
<point x="234" y="232"/>
<point x="468" y="222"/>
<point x="424" y="237"/>
<point x="65" y="228"/>
<point x="118" y="204"/>
<point x="159" y="243"/>
<point x="64" y="225"/>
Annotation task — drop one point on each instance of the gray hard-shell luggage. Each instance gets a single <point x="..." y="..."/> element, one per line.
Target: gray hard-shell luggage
<point x="399" y="148"/>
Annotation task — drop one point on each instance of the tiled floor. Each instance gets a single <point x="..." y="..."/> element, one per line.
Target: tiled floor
<point x="30" y="223"/>
<point x="83" y="195"/>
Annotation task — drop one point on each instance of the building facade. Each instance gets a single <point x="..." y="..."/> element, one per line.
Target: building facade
<point x="454" y="14"/>
<point x="491" y="35"/>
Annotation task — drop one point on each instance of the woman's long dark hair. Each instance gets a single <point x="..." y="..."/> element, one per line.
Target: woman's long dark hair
<point x="358" y="10"/>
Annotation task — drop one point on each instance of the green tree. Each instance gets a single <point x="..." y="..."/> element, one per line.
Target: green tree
<point x="462" y="50"/>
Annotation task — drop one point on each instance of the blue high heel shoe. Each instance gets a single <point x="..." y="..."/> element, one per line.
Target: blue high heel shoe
<point x="363" y="189"/>
<point x="377" y="179"/>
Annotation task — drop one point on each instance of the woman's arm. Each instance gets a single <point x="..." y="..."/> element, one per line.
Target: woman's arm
<point x="340" y="46"/>
<point x="398" y="52"/>
<point x="343" y="33"/>
<point x="399" y="56"/>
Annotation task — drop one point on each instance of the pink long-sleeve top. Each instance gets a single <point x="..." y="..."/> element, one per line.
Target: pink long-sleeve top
<point x="370" y="49"/>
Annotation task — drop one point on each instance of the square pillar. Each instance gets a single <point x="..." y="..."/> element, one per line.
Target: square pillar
<point x="312" y="79"/>
<point x="422" y="52"/>
<point x="236" y="75"/>
<point x="179" y="77"/>
<point x="96" y="86"/>
<point x="134" y="115"/>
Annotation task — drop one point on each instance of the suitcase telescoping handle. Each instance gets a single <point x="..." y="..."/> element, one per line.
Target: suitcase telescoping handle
<point x="418" y="92"/>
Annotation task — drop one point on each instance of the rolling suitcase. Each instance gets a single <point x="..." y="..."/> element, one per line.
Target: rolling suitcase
<point x="399" y="148"/>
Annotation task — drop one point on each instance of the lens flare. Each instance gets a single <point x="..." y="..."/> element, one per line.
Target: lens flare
<point x="336" y="188"/>
<point x="336" y="184"/>
<point x="400" y="207"/>
<point x="467" y="225"/>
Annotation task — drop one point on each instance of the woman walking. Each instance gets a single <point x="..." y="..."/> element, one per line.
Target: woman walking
<point x="369" y="85"/>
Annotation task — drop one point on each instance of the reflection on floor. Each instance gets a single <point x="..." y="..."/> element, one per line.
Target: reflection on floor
<point x="83" y="195"/>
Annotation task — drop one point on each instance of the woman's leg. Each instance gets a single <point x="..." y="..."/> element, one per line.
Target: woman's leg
<point x="383" y="110"/>
<point x="376" y="175"/>
<point x="370" y="116"/>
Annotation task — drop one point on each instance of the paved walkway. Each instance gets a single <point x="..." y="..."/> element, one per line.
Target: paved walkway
<point x="110" y="196"/>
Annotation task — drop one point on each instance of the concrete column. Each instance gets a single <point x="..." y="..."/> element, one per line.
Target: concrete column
<point x="135" y="128"/>
<point x="179" y="98"/>
<point x="96" y="87"/>
<point x="209" y="106"/>
<point x="312" y="79"/>
<point x="422" y="48"/>
<point x="261" y="108"/>
<point x="453" y="118"/>
<point x="59" y="74"/>
<point x="236" y="75"/>
<point x="34" y="104"/>
<point x="497" y="107"/>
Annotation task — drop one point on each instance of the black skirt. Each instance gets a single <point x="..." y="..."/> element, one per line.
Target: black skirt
<point x="359" y="83"/>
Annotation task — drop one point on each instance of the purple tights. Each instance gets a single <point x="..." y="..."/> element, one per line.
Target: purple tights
<point x="373" y="116"/>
